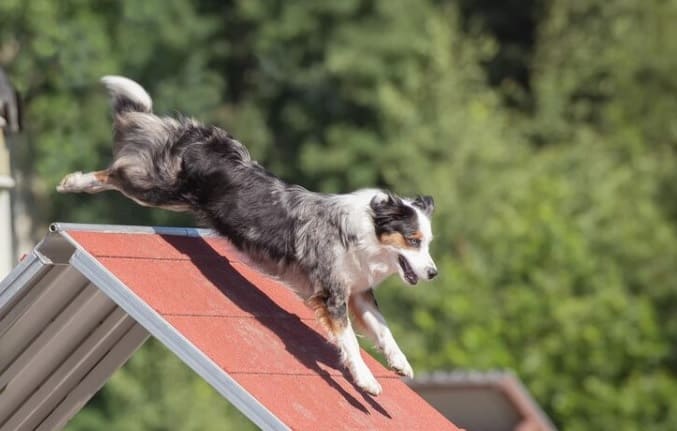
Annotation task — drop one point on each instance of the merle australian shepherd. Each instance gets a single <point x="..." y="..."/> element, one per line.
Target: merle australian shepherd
<point x="332" y="250"/>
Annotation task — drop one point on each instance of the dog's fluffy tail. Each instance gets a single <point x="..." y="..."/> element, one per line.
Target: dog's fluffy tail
<point x="127" y="95"/>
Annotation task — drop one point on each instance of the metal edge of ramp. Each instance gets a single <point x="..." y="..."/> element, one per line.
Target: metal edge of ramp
<point x="67" y="324"/>
<point x="165" y="332"/>
<point x="116" y="307"/>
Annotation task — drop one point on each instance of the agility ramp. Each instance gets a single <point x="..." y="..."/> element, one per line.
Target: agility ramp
<point x="88" y="296"/>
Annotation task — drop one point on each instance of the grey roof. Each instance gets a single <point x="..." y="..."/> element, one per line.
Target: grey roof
<point x="66" y="325"/>
<point x="482" y="401"/>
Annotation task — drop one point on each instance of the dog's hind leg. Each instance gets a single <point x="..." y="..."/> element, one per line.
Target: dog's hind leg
<point x="332" y="313"/>
<point x="89" y="182"/>
<point x="369" y="320"/>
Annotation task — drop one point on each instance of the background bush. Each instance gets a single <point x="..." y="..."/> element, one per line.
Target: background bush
<point x="545" y="129"/>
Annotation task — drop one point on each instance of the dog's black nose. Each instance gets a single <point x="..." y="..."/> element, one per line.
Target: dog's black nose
<point x="432" y="273"/>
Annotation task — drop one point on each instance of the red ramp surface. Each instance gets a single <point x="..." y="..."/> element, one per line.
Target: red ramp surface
<point x="247" y="335"/>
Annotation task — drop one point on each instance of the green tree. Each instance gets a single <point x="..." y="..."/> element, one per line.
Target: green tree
<point x="156" y="391"/>
<point x="56" y="52"/>
<point x="545" y="134"/>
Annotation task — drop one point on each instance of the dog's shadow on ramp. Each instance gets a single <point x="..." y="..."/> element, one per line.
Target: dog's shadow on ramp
<point x="306" y="345"/>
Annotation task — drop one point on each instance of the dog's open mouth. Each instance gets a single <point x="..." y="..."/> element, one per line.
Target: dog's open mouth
<point x="409" y="273"/>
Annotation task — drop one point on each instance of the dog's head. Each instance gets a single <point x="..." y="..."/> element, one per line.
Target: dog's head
<point x="403" y="228"/>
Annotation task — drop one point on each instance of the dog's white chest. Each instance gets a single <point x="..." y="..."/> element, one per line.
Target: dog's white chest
<point x="365" y="271"/>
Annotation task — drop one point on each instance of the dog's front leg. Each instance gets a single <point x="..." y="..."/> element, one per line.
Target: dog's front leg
<point x="369" y="319"/>
<point x="332" y="312"/>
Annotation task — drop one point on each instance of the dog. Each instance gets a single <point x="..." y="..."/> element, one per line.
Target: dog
<point x="331" y="249"/>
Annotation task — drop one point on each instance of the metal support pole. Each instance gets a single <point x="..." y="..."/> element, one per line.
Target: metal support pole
<point x="7" y="260"/>
<point x="10" y="122"/>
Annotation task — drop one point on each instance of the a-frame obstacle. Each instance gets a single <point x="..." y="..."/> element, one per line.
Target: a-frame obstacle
<point x="76" y="308"/>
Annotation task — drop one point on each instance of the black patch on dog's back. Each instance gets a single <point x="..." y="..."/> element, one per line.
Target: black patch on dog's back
<point x="239" y="198"/>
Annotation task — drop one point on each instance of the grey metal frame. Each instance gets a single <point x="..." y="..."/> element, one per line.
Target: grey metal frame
<point x="117" y="322"/>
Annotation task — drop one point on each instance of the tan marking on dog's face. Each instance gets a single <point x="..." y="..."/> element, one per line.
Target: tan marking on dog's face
<point x="396" y="239"/>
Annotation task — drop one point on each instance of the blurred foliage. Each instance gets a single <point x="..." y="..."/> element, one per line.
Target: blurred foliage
<point x="545" y="130"/>
<point x="155" y="391"/>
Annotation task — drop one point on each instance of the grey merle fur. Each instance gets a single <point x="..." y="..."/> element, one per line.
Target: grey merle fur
<point x="186" y="165"/>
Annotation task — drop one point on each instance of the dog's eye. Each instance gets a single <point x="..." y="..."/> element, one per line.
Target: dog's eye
<point x="414" y="242"/>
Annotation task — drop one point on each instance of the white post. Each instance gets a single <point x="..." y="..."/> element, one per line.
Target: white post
<point x="7" y="258"/>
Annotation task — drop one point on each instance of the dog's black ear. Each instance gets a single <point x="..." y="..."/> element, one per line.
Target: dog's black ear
<point x="425" y="204"/>
<point x="387" y="211"/>
<point x="382" y="201"/>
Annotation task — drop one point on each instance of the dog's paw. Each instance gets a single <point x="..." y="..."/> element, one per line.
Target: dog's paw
<point x="71" y="182"/>
<point x="400" y="365"/>
<point x="369" y="384"/>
